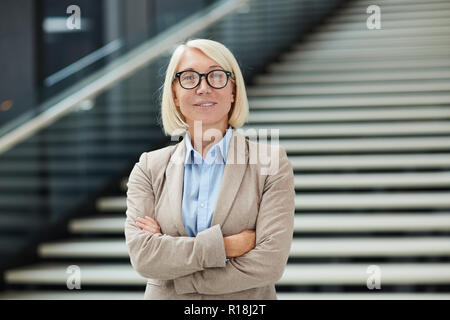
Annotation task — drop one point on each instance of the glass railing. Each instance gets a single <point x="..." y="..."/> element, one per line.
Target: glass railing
<point x="57" y="41"/>
<point x="58" y="172"/>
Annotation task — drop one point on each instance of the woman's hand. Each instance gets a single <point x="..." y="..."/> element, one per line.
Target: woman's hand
<point x="239" y="244"/>
<point x="148" y="224"/>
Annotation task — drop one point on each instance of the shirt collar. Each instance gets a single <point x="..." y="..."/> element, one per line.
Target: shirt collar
<point x="220" y="149"/>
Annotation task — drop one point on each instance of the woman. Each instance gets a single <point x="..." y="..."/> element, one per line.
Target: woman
<point x="205" y="218"/>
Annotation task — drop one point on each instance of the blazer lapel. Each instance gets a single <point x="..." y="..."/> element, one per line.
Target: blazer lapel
<point x="236" y="164"/>
<point x="175" y="177"/>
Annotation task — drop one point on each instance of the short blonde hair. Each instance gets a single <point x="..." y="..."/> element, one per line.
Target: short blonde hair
<point x="172" y="119"/>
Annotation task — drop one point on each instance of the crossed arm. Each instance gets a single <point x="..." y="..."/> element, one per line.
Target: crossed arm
<point x="235" y="245"/>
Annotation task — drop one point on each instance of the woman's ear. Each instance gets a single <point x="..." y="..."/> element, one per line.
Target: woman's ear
<point x="175" y="99"/>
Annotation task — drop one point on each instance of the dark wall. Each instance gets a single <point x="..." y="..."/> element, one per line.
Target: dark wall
<point x="17" y="50"/>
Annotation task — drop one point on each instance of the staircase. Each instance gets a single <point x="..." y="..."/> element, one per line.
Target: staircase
<point x="364" y="117"/>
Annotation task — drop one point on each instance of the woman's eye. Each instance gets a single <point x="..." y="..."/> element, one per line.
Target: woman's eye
<point x="218" y="75"/>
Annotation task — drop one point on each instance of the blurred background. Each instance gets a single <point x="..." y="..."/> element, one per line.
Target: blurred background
<point x="360" y="94"/>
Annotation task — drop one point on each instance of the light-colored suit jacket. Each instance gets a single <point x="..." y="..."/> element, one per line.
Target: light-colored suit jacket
<point x="257" y="192"/>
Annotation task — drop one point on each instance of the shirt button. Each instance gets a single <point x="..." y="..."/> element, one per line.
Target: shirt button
<point x="202" y="204"/>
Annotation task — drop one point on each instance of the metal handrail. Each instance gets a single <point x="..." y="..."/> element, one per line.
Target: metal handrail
<point x="119" y="69"/>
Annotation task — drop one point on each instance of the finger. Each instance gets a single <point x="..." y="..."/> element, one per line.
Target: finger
<point x="150" y="219"/>
<point x="149" y="229"/>
<point x="142" y="220"/>
<point x="148" y="223"/>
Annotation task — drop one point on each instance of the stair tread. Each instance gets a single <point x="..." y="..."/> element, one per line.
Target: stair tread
<point x="358" y="66"/>
<point x="367" y="77"/>
<point x="353" y="162"/>
<point x="304" y="222"/>
<point x="336" y="101"/>
<point x="350" y="129"/>
<point x="294" y="274"/>
<point x="139" y="295"/>
<point x="299" y="89"/>
<point x="365" y="144"/>
<point x="264" y="117"/>
<point x="304" y="247"/>
<point x="332" y="201"/>
<point x="372" y="180"/>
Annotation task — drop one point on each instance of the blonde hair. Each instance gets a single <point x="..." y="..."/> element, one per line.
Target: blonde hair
<point x="172" y="120"/>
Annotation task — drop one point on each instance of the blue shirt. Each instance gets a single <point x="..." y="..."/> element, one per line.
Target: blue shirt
<point x="201" y="183"/>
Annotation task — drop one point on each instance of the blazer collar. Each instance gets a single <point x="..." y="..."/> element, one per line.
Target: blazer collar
<point x="237" y="160"/>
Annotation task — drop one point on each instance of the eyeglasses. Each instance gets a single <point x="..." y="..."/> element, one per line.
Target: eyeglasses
<point x="216" y="79"/>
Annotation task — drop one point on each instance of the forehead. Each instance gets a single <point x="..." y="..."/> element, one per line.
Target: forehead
<point x="195" y="59"/>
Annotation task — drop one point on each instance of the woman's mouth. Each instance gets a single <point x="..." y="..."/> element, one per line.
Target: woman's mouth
<point x="205" y="105"/>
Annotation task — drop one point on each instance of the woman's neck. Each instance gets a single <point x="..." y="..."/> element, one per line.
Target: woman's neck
<point x="204" y="137"/>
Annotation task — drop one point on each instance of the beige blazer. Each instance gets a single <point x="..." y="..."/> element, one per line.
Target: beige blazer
<point x="257" y="192"/>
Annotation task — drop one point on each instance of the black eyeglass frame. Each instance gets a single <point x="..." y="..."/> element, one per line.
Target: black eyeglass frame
<point x="178" y="75"/>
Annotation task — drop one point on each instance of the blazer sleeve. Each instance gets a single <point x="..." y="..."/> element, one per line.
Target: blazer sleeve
<point x="165" y="257"/>
<point x="264" y="264"/>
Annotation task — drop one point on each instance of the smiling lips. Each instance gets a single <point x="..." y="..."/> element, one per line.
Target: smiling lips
<point x="205" y="104"/>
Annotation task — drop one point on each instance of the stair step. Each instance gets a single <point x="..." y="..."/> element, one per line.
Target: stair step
<point x="139" y="295"/>
<point x="375" y="247"/>
<point x="71" y="295"/>
<point x="94" y="134"/>
<point x="344" y="33"/>
<point x="371" y="222"/>
<point x="390" y="16"/>
<point x="365" y="162"/>
<point x="366" y="145"/>
<point x="349" y="101"/>
<point x="304" y="247"/>
<point x="59" y="167"/>
<point x="362" y="296"/>
<point x="386" y="25"/>
<point x="350" y="129"/>
<point x="108" y="225"/>
<point x="305" y="222"/>
<point x="400" y="200"/>
<point x="376" y="54"/>
<point x="91" y="274"/>
<point x="356" y="10"/>
<point x="295" y="274"/>
<point x="372" y="180"/>
<point x="357" y="274"/>
<point x="392" y="43"/>
<point x="68" y="182"/>
<point x="109" y="248"/>
<point x="428" y="40"/>
<point x="352" y="88"/>
<point x="388" y="4"/>
<point x="36" y="201"/>
<point x="343" y="77"/>
<point x="62" y="150"/>
<point x="334" y="201"/>
<point x="135" y="127"/>
<point x="263" y="117"/>
<point x="358" y="66"/>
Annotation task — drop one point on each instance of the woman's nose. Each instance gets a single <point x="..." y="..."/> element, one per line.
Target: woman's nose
<point x="203" y="86"/>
